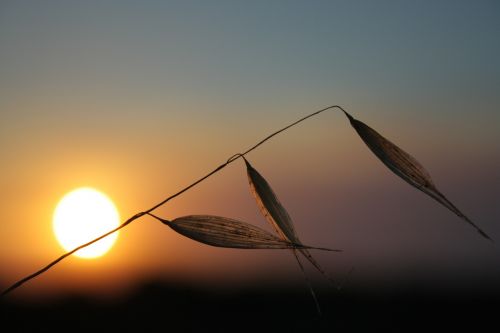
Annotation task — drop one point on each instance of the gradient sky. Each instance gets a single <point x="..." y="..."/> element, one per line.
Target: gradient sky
<point x="140" y="98"/>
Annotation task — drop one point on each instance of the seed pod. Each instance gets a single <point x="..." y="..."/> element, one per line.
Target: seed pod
<point x="225" y="232"/>
<point x="276" y="214"/>
<point x="405" y="166"/>
<point x="270" y="206"/>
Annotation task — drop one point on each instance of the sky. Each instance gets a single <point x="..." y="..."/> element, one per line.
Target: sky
<point x="141" y="98"/>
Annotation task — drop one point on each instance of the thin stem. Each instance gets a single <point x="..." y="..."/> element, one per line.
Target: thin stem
<point x="220" y="167"/>
<point x="166" y="222"/>
<point x="240" y="155"/>
<point x="292" y="124"/>
<point x="29" y="277"/>
<point x="138" y="215"/>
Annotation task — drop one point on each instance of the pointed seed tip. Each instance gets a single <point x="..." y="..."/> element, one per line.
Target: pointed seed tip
<point x="485" y="235"/>
<point x="164" y="221"/>
<point x="348" y="115"/>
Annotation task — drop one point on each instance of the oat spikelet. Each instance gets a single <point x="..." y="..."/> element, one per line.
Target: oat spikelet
<point x="405" y="166"/>
<point x="280" y="220"/>
<point x="230" y="233"/>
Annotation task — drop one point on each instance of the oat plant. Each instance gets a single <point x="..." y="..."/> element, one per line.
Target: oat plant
<point x="230" y="233"/>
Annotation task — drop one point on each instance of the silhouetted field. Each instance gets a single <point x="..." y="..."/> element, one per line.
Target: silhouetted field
<point x="160" y="307"/>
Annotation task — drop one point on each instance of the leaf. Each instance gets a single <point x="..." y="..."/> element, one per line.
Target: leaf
<point x="225" y="232"/>
<point x="405" y="166"/>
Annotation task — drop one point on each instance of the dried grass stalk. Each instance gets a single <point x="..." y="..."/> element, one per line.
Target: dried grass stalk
<point x="405" y="166"/>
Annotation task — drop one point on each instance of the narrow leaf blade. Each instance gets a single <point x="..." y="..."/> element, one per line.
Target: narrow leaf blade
<point x="405" y="166"/>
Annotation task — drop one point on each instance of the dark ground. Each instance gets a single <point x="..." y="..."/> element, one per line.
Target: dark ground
<point x="157" y="307"/>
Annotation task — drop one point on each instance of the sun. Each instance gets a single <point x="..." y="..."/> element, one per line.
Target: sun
<point x="83" y="215"/>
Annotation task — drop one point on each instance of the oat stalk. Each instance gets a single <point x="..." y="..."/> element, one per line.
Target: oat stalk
<point x="140" y="214"/>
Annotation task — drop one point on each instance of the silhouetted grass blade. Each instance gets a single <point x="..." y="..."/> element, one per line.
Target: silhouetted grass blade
<point x="276" y="214"/>
<point x="405" y="166"/>
<point x="270" y="206"/>
<point x="225" y="232"/>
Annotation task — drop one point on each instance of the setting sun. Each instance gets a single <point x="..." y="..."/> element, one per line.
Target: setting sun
<point x="82" y="215"/>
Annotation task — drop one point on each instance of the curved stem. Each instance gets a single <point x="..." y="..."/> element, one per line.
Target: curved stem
<point x="292" y="124"/>
<point x="138" y="215"/>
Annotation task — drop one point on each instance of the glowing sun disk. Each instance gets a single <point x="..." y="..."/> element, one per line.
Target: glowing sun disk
<point x="83" y="215"/>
